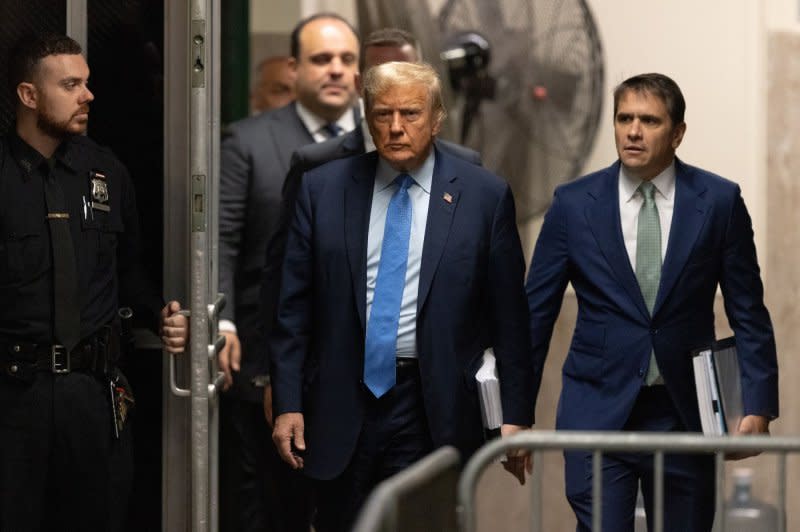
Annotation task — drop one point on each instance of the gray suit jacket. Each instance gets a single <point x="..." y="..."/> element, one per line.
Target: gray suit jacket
<point x="255" y="155"/>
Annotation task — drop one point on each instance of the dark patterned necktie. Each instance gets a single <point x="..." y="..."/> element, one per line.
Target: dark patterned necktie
<point x="332" y="130"/>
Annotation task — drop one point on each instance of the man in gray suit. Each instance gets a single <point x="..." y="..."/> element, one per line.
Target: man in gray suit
<point x="255" y="158"/>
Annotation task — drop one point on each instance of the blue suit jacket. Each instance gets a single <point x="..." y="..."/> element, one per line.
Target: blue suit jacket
<point x="471" y="296"/>
<point x="710" y="244"/>
<point x="305" y="159"/>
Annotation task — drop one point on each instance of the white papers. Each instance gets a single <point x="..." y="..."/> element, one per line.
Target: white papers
<point x="707" y="400"/>
<point x="489" y="392"/>
<point x="719" y="387"/>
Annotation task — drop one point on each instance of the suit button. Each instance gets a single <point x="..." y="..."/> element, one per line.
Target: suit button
<point x="641" y="372"/>
<point x="14" y="368"/>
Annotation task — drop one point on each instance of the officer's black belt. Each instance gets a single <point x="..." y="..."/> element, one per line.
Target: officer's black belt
<point x="91" y="355"/>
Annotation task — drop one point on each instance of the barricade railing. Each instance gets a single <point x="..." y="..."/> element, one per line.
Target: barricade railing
<point x="421" y="498"/>
<point x="603" y="442"/>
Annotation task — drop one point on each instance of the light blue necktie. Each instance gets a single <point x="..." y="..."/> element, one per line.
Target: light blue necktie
<point x="648" y="260"/>
<point x="381" y="342"/>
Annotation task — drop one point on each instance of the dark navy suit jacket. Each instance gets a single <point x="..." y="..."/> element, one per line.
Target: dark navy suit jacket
<point x="304" y="159"/>
<point x="471" y="296"/>
<point x="710" y="244"/>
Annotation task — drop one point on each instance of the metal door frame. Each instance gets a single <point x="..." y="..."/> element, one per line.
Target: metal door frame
<point x="77" y="22"/>
<point x="191" y="162"/>
<point x="191" y="183"/>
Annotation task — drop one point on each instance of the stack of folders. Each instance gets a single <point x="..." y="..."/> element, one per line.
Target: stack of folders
<point x="719" y="387"/>
<point x="489" y="393"/>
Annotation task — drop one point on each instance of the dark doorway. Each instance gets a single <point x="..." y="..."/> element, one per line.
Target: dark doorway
<point x="126" y="58"/>
<point x="37" y="16"/>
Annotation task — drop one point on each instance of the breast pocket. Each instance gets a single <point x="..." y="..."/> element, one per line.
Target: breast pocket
<point x="101" y="238"/>
<point x="109" y="240"/>
<point x="24" y="255"/>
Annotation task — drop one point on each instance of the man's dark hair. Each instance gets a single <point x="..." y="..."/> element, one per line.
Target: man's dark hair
<point x="294" y="43"/>
<point x="394" y="37"/>
<point x="658" y="85"/>
<point x="28" y="51"/>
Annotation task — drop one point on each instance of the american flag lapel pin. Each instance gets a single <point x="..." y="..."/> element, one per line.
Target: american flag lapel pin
<point x="447" y="197"/>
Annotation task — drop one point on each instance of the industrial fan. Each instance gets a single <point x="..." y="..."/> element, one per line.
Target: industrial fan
<point x="525" y="82"/>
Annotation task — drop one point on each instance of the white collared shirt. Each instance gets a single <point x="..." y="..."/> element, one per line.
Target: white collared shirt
<point x="420" y="194"/>
<point x="316" y="125"/>
<point x="630" y="202"/>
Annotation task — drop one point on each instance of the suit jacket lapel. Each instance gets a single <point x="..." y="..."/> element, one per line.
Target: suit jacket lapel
<point x="357" y="206"/>
<point x="603" y="219"/>
<point x="352" y="143"/>
<point x="440" y="216"/>
<point x="688" y="217"/>
<point x="289" y="133"/>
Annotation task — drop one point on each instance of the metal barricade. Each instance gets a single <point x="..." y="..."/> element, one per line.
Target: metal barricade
<point x="421" y="498"/>
<point x="603" y="442"/>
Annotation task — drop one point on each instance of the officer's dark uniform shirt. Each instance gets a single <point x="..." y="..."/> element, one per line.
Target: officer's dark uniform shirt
<point x="106" y="242"/>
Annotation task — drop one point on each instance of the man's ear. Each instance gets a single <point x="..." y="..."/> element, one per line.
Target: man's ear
<point x="27" y="94"/>
<point x="359" y="84"/>
<point x="293" y="65"/>
<point x="677" y="135"/>
<point x="437" y="124"/>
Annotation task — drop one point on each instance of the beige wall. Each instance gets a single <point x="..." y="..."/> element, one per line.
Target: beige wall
<point x="271" y="22"/>
<point x="783" y="219"/>
<point x="277" y="16"/>
<point x="273" y="16"/>
<point x="782" y="15"/>
<point x="714" y="50"/>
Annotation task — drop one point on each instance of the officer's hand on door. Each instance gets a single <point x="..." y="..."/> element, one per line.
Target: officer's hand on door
<point x="174" y="328"/>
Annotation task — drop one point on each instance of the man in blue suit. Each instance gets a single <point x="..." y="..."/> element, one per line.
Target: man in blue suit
<point x="645" y="243"/>
<point x="401" y="267"/>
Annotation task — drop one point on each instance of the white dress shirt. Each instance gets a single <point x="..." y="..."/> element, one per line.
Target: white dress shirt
<point x="630" y="202"/>
<point x="316" y="125"/>
<point x="420" y="194"/>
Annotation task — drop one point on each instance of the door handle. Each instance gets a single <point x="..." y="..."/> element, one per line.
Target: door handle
<point x="173" y="383"/>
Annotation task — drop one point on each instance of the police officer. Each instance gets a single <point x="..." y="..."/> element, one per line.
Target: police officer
<point x="69" y="246"/>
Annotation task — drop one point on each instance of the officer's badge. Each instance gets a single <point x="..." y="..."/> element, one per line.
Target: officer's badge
<point x="99" y="190"/>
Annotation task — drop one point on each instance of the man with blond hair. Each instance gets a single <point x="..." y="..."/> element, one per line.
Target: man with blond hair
<point x="402" y="266"/>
